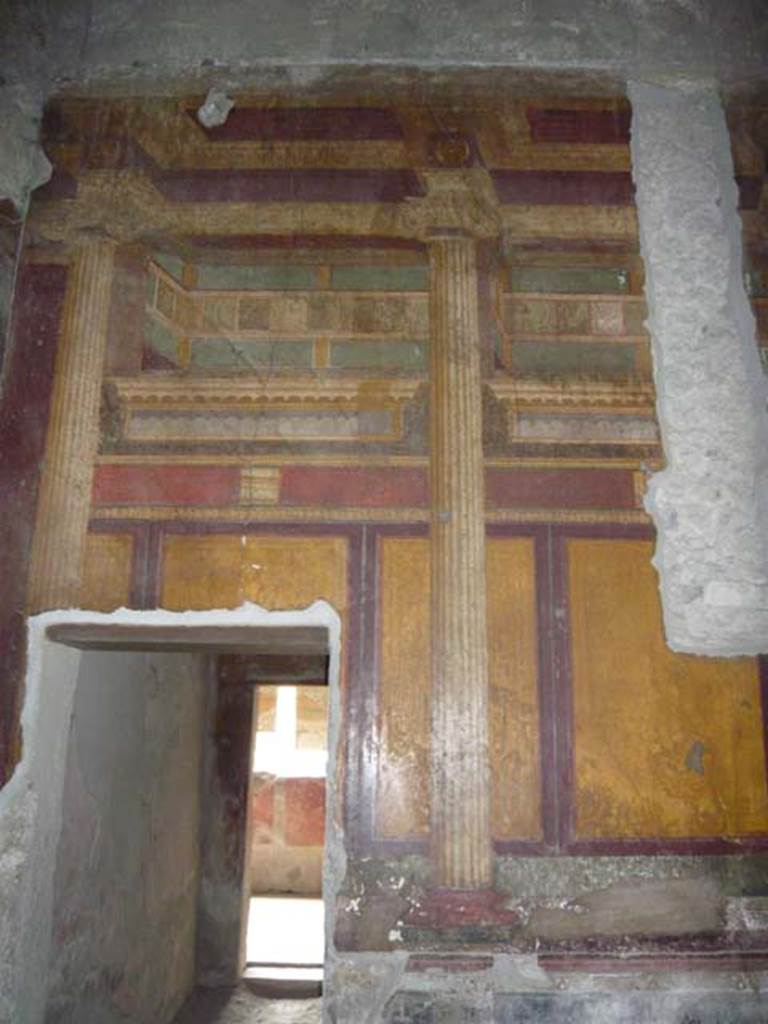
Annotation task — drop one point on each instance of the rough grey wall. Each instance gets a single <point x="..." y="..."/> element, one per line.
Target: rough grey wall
<point x="137" y="38"/>
<point x="25" y="81"/>
<point x="30" y="820"/>
<point x="710" y="504"/>
<point x="127" y="864"/>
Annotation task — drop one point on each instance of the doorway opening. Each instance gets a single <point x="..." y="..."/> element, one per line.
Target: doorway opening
<point x="285" y="943"/>
<point x="139" y="824"/>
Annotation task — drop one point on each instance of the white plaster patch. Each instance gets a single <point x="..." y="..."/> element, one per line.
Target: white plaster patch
<point x="215" y="110"/>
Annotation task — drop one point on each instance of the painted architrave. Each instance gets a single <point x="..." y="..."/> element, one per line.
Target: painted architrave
<point x="358" y="486"/>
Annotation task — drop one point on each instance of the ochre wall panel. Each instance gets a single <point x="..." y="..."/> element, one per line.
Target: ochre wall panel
<point x="222" y="571"/>
<point x="201" y="572"/>
<point x="292" y="572"/>
<point x="106" y="578"/>
<point x="665" y="745"/>
<point x="404" y="687"/>
<point x="512" y="661"/>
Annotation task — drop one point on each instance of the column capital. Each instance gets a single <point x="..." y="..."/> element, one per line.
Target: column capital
<point x="459" y="203"/>
<point x="117" y="206"/>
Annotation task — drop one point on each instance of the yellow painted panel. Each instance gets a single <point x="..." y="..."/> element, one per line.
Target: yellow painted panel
<point x="665" y="745"/>
<point x="202" y="572"/>
<point x="222" y="571"/>
<point x="106" y="580"/>
<point x="403" y="690"/>
<point x="512" y="664"/>
<point x="292" y="572"/>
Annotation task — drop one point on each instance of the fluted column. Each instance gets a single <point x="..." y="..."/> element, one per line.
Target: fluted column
<point x="73" y="432"/>
<point x="460" y="771"/>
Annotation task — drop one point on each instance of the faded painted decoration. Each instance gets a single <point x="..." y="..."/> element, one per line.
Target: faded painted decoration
<point x="278" y="321"/>
<point x="263" y="433"/>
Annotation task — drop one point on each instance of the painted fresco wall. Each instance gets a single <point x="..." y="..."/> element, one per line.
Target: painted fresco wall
<point x="264" y="438"/>
<point x="287" y="811"/>
<point x="288" y="834"/>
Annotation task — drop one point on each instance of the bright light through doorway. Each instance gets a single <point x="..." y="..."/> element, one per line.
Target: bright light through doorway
<point x="277" y="751"/>
<point x="285" y="938"/>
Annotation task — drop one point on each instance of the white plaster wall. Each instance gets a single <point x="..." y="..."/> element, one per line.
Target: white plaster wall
<point x="30" y="820"/>
<point x="125" y="888"/>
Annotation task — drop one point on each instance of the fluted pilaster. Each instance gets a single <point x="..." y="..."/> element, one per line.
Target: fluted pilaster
<point x="73" y="432"/>
<point x="460" y="771"/>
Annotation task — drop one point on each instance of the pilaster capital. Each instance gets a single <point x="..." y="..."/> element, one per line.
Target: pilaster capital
<point x="459" y="202"/>
<point x="117" y="206"/>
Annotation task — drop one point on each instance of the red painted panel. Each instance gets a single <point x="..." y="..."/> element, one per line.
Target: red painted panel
<point x="750" y="188"/>
<point x="384" y="487"/>
<point x="294" y="124"/>
<point x="23" y="421"/>
<point x="166" y="485"/>
<point x="263" y="810"/>
<point x="592" y="126"/>
<point x="303" y="185"/>
<point x="559" y="488"/>
<point x="564" y="188"/>
<point x="304" y="811"/>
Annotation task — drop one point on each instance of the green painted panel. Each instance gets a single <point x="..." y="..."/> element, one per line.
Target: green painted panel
<point x="228" y="354"/>
<point x="172" y="264"/>
<point x="394" y="355"/>
<point x="635" y="315"/>
<point x="161" y="339"/>
<point x="255" y="278"/>
<point x="404" y="279"/>
<point x="590" y="359"/>
<point x="596" y="280"/>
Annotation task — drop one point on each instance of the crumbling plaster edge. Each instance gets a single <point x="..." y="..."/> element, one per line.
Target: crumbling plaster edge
<point x="711" y="606"/>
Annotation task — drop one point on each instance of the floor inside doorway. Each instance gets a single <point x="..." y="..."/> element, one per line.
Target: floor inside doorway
<point x="284" y="930"/>
<point x="241" y="1006"/>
